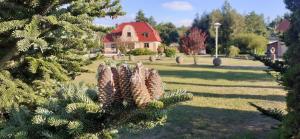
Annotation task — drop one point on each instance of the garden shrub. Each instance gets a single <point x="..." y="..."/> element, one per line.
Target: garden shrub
<point x="161" y="48"/>
<point x="233" y="51"/>
<point x="278" y="66"/>
<point x="141" y="51"/>
<point x="170" y="52"/>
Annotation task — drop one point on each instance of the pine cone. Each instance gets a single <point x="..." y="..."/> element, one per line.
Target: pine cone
<point x="141" y="69"/>
<point x="125" y="84"/>
<point x="140" y="92"/>
<point x="154" y="85"/>
<point x="118" y="95"/>
<point x="147" y="73"/>
<point x="105" y="85"/>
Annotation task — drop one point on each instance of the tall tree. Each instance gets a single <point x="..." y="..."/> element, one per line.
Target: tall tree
<point x="152" y="21"/>
<point x="168" y="33"/>
<point x="182" y="30"/>
<point x="140" y="17"/>
<point x="44" y="41"/>
<point x="291" y="126"/>
<point x="256" y="24"/>
<point x="202" y="22"/>
<point x="232" y="23"/>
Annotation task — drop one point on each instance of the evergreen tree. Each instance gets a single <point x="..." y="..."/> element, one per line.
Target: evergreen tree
<point x="202" y="22"/>
<point x="140" y="17"/>
<point x="255" y="24"/>
<point x="152" y="21"/>
<point x="291" y="126"/>
<point x="232" y="23"/>
<point x="43" y="42"/>
<point x="168" y="33"/>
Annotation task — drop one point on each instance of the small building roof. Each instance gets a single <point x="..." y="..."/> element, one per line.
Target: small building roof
<point x="283" y="26"/>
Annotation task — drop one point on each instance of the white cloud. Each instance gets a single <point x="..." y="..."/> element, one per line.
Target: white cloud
<point x="184" y="22"/>
<point x="178" y="5"/>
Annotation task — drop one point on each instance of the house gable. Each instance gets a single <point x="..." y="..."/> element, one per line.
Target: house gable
<point x="143" y="32"/>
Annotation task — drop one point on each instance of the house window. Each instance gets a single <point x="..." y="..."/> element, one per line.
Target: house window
<point x="128" y="34"/>
<point x="145" y="34"/>
<point x="146" y="45"/>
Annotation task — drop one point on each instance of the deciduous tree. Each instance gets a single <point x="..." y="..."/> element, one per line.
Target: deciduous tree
<point x="193" y="42"/>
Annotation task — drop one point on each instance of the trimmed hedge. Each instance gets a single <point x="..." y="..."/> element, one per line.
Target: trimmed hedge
<point x="141" y="51"/>
<point x="278" y="66"/>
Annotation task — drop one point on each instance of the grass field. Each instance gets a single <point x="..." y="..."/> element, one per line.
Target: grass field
<point x="220" y="106"/>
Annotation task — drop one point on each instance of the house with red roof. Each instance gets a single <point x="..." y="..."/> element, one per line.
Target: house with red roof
<point x="133" y="35"/>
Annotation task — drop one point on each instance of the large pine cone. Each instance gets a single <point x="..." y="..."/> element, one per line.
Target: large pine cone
<point x="142" y="71"/>
<point x="125" y="84"/>
<point x="140" y="92"/>
<point x="154" y="85"/>
<point x="118" y="96"/>
<point x="105" y="85"/>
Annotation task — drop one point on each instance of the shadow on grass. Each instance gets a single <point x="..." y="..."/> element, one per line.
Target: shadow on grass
<point x="256" y="68"/>
<point x="212" y="75"/>
<point x="229" y="86"/>
<point x="241" y="96"/>
<point x="209" y="123"/>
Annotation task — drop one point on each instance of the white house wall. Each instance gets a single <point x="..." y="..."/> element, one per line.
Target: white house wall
<point x="133" y="37"/>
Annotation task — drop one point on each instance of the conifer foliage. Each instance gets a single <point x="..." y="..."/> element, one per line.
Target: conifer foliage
<point x="42" y="42"/>
<point x="79" y="111"/>
<point x="291" y="78"/>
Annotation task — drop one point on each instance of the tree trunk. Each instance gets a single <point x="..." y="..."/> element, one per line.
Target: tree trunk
<point x="195" y="59"/>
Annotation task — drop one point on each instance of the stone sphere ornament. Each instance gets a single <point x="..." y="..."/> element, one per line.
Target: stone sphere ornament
<point x="217" y="62"/>
<point x="152" y="58"/>
<point x="179" y="59"/>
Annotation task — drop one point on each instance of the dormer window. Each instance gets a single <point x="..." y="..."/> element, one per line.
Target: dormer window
<point x="128" y="34"/>
<point x="145" y="34"/>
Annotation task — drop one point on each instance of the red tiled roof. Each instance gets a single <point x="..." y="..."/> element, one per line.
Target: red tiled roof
<point x="140" y="28"/>
<point x="283" y="26"/>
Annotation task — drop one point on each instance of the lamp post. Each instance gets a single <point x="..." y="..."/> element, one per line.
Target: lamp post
<point x="217" y="61"/>
<point x="217" y="25"/>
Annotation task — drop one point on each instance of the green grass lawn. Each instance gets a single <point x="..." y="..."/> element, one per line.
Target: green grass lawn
<point x="220" y="106"/>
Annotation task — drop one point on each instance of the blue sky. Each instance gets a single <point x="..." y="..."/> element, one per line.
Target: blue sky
<point x="182" y="12"/>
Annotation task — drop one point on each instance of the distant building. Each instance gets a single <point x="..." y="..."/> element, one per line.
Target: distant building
<point x="280" y="48"/>
<point x="133" y="35"/>
<point x="274" y="42"/>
